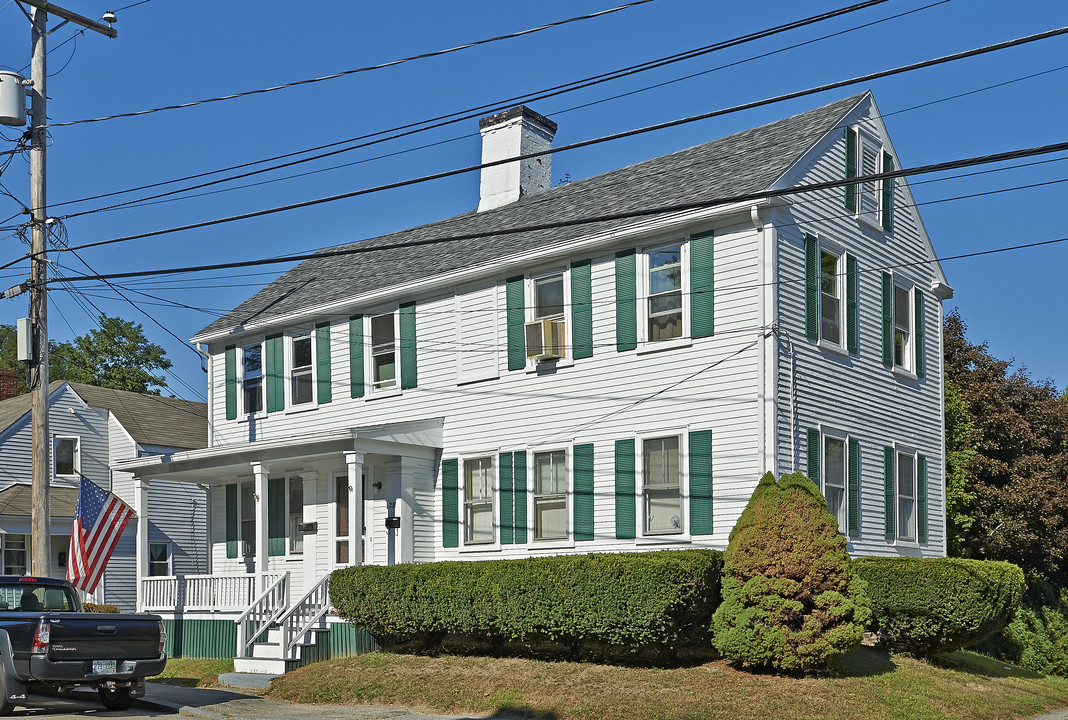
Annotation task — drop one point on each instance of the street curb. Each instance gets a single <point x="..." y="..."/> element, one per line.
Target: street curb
<point x="187" y="710"/>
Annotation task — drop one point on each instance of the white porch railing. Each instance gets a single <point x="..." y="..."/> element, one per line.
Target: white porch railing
<point x="300" y="618"/>
<point x="198" y="593"/>
<point x="265" y="611"/>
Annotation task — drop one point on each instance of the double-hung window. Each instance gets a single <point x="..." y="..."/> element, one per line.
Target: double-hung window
<point x="664" y="293"/>
<point x="159" y="559"/>
<point x="834" y="479"/>
<point x="832" y="297"/>
<point x="550" y="495"/>
<point x="902" y="326"/>
<point x="66" y="456"/>
<point x="16" y="553"/>
<point x="548" y="298"/>
<point x="383" y="351"/>
<point x="252" y="378"/>
<point x="301" y="375"/>
<point x="662" y="486"/>
<point x="870" y="161"/>
<point x="478" y="501"/>
<point x="906" y="496"/>
<point x="872" y="200"/>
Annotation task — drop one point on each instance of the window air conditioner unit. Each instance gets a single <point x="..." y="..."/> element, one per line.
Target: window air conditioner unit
<point x="545" y="339"/>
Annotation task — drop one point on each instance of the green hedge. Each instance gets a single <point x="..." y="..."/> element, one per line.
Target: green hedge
<point x="659" y="600"/>
<point x="932" y="605"/>
<point x="1037" y="638"/>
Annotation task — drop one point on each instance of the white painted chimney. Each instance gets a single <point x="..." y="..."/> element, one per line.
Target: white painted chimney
<point x="519" y="131"/>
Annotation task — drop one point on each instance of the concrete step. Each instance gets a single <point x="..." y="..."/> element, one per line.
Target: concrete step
<point x="267" y="650"/>
<point x="260" y="666"/>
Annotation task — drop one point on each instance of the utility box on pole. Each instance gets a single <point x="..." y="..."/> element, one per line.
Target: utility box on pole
<point x="24" y="339"/>
<point x="12" y="99"/>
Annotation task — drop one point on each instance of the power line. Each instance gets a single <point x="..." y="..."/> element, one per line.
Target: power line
<point x="476" y="112"/>
<point x="630" y="214"/>
<point x="368" y="68"/>
<point x="607" y="138"/>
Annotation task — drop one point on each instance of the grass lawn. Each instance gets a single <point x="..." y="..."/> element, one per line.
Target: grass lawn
<point x="193" y="672"/>
<point x="865" y="684"/>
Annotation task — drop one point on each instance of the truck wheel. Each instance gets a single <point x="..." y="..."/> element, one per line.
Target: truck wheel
<point x="117" y="699"/>
<point x="6" y="706"/>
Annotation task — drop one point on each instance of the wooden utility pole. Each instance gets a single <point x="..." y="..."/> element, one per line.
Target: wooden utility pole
<point x="40" y="521"/>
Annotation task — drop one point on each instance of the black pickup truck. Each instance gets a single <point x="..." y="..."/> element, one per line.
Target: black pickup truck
<point x="49" y="646"/>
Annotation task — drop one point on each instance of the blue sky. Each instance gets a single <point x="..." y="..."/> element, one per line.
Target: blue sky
<point x="172" y="52"/>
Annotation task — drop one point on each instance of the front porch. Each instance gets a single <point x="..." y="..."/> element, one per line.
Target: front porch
<point x="282" y="516"/>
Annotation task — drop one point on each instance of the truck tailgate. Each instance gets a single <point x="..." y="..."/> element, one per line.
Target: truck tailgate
<point x="100" y="636"/>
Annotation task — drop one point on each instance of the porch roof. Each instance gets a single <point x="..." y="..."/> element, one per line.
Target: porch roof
<point x="216" y="464"/>
<point x="17" y="501"/>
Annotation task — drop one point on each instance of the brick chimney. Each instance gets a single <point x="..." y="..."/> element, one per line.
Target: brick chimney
<point x="9" y="384"/>
<point x="519" y="131"/>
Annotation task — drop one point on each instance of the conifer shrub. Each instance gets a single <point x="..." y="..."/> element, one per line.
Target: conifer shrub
<point x="629" y="602"/>
<point x="1037" y="636"/>
<point x="933" y="605"/>
<point x="790" y="599"/>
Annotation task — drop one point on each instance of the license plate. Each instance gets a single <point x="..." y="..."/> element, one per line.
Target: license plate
<point x="104" y="667"/>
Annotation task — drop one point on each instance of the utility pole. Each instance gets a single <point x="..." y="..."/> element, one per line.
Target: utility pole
<point x="40" y="521"/>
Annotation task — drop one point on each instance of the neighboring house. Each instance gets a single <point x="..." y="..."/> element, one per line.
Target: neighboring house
<point x="91" y="428"/>
<point x="489" y="387"/>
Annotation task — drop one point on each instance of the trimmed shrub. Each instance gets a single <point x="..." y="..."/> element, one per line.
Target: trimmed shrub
<point x="659" y="600"/>
<point x="933" y="605"/>
<point x="1037" y="637"/>
<point x="93" y="607"/>
<point x="790" y="600"/>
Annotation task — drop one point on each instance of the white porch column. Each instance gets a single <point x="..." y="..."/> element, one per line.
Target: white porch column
<point x="354" y="461"/>
<point x="312" y="550"/>
<point x="260" y="473"/>
<point x="141" y="553"/>
<point x="412" y="472"/>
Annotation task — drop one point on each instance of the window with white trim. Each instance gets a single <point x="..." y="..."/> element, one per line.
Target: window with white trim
<point x="296" y="514"/>
<point x="341" y="520"/>
<point x="550" y="495"/>
<point x="662" y="486"/>
<point x="159" y="559"/>
<point x="902" y="318"/>
<point x="547" y="298"/>
<point x="384" y="363"/>
<point x="252" y="378"/>
<point x="665" y="284"/>
<point x="869" y="193"/>
<point x="478" y="501"/>
<point x="834" y="479"/>
<point x="832" y="295"/>
<point x="66" y="456"/>
<point x="16" y="553"/>
<point x="905" y="491"/>
<point x="301" y="369"/>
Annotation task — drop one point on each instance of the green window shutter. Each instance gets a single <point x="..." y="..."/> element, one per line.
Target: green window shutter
<point x="504" y="469"/>
<point x="812" y="469"/>
<point x="921" y="344"/>
<point x="888" y="319"/>
<point x="888" y="492"/>
<point x="851" y="168"/>
<point x="276" y="516"/>
<point x="701" y="482"/>
<point x="921" y="496"/>
<point x="625" y="527"/>
<point x="516" y="315"/>
<point x="408" y="358"/>
<point x="854" y="488"/>
<point x="583" y="464"/>
<point x="324" y="391"/>
<point x="230" y="356"/>
<point x="356" y="355"/>
<point x="702" y="305"/>
<point x="581" y="310"/>
<point x="274" y="363"/>
<point x="852" y="299"/>
<point x="812" y="288"/>
<point x="888" y="193"/>
<point x="626" y="301"/>
<point x="519" y="468"/>
<point x="450" y="504"/>
<point x="231" y="521"/>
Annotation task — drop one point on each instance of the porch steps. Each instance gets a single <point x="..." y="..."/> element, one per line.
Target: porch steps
<point x="267" y="655"/>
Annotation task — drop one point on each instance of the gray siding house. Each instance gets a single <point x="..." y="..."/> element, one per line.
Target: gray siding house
<point x="91" y="428"/>
<point x="608" y="365"/>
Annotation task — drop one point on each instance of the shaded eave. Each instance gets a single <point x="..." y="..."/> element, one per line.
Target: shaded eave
<point x="215" y="465"/>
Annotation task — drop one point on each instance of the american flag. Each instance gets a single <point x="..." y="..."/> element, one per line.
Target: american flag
<point x="98" y="524"/>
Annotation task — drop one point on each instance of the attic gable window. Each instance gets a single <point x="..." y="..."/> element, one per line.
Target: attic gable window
<point x="66" y="456"/>
<point x="871" y="201"/>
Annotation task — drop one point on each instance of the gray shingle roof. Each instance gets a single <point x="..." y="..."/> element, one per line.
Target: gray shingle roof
<point x="150" y="419"/>
<point x="745" y="162"/>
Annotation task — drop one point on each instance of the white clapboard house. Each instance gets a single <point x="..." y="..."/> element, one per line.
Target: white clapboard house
<point x="91" y="428"/>
<point x="519" y="380"/>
